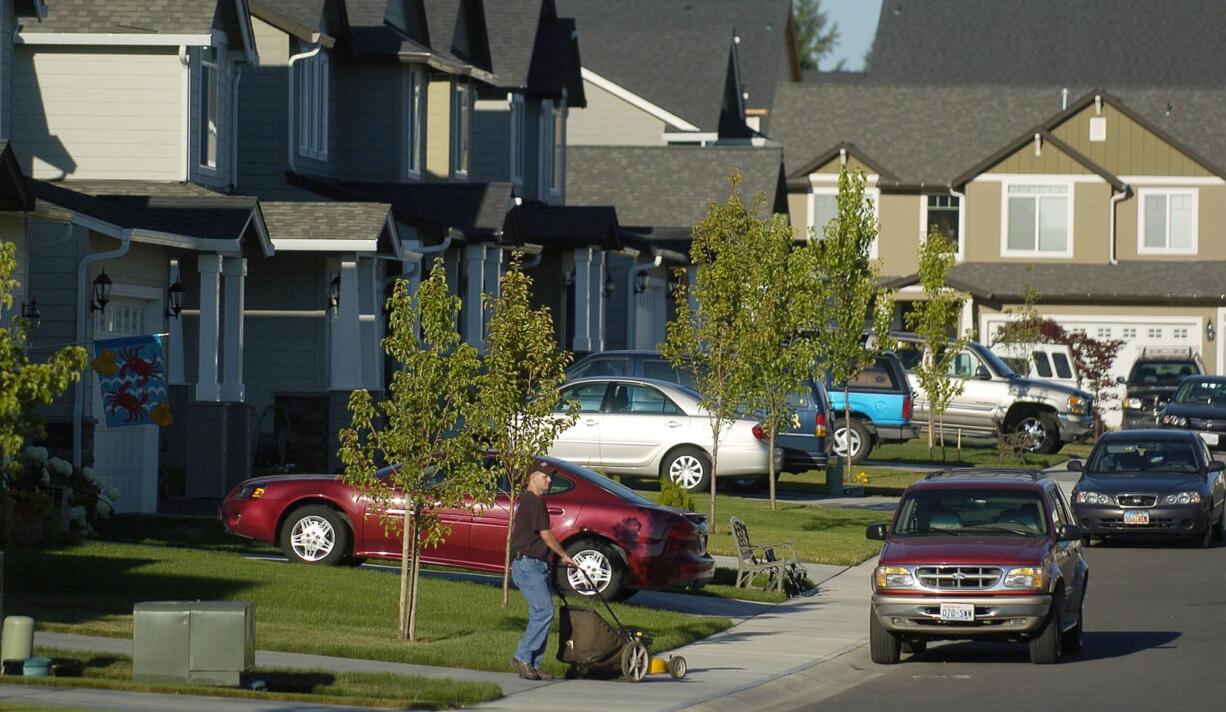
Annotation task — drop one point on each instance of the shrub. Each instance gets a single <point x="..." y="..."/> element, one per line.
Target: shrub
<point x="674" y="495"/>
<point x="45" y="499"/>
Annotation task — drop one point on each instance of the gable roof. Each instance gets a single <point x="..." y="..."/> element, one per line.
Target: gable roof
<point x="104" y="20"/>
<point x="1062" y="42"/>
<point x="303" y="19"/>
<point x="765" y="51"/>
<point x="14" y="191"/>
<point x="563" y="226"/>
<point x="456" y="29"/>
<point x="331" y="227"/>
<point x="533" y="49"/>
<point x="670" y="186"/>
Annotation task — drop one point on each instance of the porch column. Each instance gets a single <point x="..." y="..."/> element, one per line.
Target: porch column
<point x="598" y="318"/>
<point x="583" y="299"/>
<point x="493" y="273"/>
<point x="234" y="273"/>
<point x="372" y="324"/>
<point x="174" y="338"/>
<point x="474" y="271"/>
<point x="207" y="388"/>
<point x="346" y="351"/>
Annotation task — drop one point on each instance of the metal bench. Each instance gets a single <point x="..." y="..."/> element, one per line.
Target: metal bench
<point x="771" y="559"/>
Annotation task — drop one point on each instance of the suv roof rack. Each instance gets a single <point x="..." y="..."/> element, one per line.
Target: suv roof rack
<point x="986" y="474"/>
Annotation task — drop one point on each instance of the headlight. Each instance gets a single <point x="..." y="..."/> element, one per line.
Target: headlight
<point x="251" y="492"/>
<point x="1026" y="577"/>
<point x="1078" y="405"/>
<point x="1093" y="498"/>
<point x="1177" y="421"/>
<point x="1133" y="403"/>
<point x="1182" y="498"/>
<point x="893" y="577"/>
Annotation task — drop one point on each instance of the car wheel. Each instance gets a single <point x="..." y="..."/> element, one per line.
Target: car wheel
<point x="603" y="568"/>
<point x="1219" y="528"/>
<point x="1205" y="539"/>
<point x="1045" y="646"/>
<point x="883" y="646"/>
<point x="1042" y="430"/>
<point x="861" y="440"/>
<point x="315" y="535"/>
<point x="688" y="467"/>
<point x="1070" y="643"/>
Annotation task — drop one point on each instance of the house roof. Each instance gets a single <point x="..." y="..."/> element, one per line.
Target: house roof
<point x="1129" y="282"/>
<point x="376" y="33"/>
<point x="127" y="17"/>
<point x="533" y="49"/>
<point x="447" y="20"/>
<point x="331" y="226"/>
<point x="302" y="18"/>
<point x="765" y="57"/>
<point x="14" y="190"/>
<point x="669" y="186"/>
<point x="1087" y="42"/>
<point x="31" y="8"/>
<point x="563" y="226"/>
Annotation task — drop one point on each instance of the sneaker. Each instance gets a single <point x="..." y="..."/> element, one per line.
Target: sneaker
<point x="525" y="670"/>
<point x="541" y="674"/>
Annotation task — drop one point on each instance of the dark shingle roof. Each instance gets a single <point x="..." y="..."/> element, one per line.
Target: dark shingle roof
<point x="176" y="208"/>
<point x="763" y="49"/>
<point x="443" y="23"/>
<point x="669" y="186"/>
<point x="1128" y="282"/>
<point x="127" y="17"/>
<point x="325" y="220"/>
<point x="14" y="189"/>
<point x="476" y="209"/>
<point x="1086" y="42"/>
<point x="308" y="15"/>
<point x="513" y="32"/>
<point x="563" y="226"/>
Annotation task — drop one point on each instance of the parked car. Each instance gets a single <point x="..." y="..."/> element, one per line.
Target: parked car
<point x="1157" y="482"/>
<point x="643" y="427"/>
<point x="880" y="408"/>
<point x="641" y="363"/>
<point x="982" y="555"/>
<point x="1050" y="362"/>
<point x="994" y="398"/>
<point x="1199" y="404"/>
<point x="1152" y="381"/>
<point x="624" y="541"/>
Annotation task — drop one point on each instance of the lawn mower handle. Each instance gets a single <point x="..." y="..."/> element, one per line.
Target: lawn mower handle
<point x="595" y="593"/>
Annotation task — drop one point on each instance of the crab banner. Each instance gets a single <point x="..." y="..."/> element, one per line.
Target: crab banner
<point x="132" y="377"/>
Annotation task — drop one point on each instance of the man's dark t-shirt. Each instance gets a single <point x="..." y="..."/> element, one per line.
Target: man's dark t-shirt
<point x="531" y="517"/>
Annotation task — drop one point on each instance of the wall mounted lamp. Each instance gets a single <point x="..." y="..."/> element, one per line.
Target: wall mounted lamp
<point x="31" y="314"/>
<point x="102" y="292"/>
<point x="334" y="293"/>
<point x="1210" y="330"/>
<point x="174" y="299"/>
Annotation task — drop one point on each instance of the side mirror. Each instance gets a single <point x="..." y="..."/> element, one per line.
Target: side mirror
<point x="982" y="374"/>
<point x="1120" y="380"/>
<point x="1075" y="466"/>
<point x="1069" y="532"/>
<point x="1216" y="466"/>
<point x="876" y="532"/>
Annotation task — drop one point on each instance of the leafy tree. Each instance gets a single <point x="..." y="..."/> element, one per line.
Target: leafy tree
<point x="25" y="385"/>
<point x="423" y="428"/>
<point x="707" y="335"/>
<point x="931" y="320"/>
<point x="816" y="36"/>
<point x="519" y="388"/>
<point x="848" y="296"/>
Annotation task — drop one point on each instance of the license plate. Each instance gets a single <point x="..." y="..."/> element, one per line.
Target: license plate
<point x="1209" y="438"/>
<point x="958" y="612"/>
<point x="1136" y="517"/>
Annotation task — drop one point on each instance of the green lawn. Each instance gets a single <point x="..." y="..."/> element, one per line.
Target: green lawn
<point x="91" y="588"/>
<point x="977" y="452"/>
<point x="886" y="481"/>
<point x="114" y="672"/>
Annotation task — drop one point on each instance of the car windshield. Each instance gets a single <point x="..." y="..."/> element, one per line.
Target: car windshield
<point x="993" y="360"/>
<point x="971" y="511"/>
<point x="1163" y="374"/>
<point x="1151" y="457"/>
<point x="1195" y="391"/>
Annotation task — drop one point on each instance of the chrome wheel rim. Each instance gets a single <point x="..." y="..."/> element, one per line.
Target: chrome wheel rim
<point x="1032" y="429"/>
<point x="312" y="538"/>
<point x="840" y="441"/>
<point x="686" y="471"/>
<point x="598" y="568"/>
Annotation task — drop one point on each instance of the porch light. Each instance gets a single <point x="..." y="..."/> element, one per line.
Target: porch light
<point x="1210" y="330"/>
<point x="640" y="282"/>
<point x="674" y="281"/>
<point x="102" y="292"/>
<point x="334" y="292"/>
<point x="31" y="314"/>
<point x="607" y="289"/>
<point x="174" y="299"/>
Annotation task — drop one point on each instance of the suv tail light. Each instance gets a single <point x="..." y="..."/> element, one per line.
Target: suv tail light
<point x="820" y="430"/>
<point x="760" y="433"/>
<point x="906" y="407"/>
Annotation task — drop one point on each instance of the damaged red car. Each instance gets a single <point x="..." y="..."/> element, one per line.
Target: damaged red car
<point x="622" y="540"/>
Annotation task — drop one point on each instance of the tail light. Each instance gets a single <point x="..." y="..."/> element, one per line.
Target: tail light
<point x="906" y="407"/>
<point x="760" y="433"/>
<point x="820" y="430"/>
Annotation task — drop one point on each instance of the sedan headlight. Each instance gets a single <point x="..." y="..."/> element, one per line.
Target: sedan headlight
<point x="1078" y="405"/>
<point x="1093" y="498"/>
<point x="1177" y="421"/>
<point x="251" y="492"/>
<point x="1182" y="498"/>
<point x="1133" y="403"/>
<point x="893" y="577"/>
<point x="1024" y="577"/>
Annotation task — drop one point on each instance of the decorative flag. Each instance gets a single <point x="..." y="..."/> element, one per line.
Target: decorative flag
<point x="132" y="377"/>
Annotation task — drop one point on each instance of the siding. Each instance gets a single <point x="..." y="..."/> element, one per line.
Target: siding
<point x="1050" y="160"/>
<point x="53" y="282"/>
<point x="1211" y="223"/>
<point x="492" y="141"/>
<point x="438" y="128"/>
<point x="1130" y="149"/>
<point x="13" y="229"/>
<point x="7" y="22"/>
<point x="371" y="143"/>
<point x="898" y="236"/>
<point x="798" y="213"/>
<point x="834" y="166"/>
<point x="1091" y="221"/>
<point x="101" y="113"/>
<point x="611" y="121"/>
<point x="982" y="241"/>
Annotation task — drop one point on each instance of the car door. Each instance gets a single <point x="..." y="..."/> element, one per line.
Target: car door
<point x="980" y="398"/>
<point x="1066" y="554"/>
<point x="639" y="422"/>
<point x="489" y="523"/>
<point x="580" y="443"/>
<point x="383" y="529"/>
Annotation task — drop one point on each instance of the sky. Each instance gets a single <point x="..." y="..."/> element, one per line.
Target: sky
<point x="857" y="22"/>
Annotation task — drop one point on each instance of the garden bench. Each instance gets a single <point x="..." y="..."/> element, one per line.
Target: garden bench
<point x="771" y="559"/>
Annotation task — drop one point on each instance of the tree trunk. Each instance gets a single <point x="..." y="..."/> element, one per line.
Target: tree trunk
<point x="931" y="425"/>
<point x="774" y="506"/>
<point x="714" y="468"/>
<point x="407" y="582"/>
<point x="506" y="553"/>
<point x="941" y="432"/>
<point x="416" y="577"/>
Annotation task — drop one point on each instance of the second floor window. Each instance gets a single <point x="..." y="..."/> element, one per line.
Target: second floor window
<point x="943" y="215"/>
<point x="517" y="138"/>
<point x="558" y="135"/>
<point x="1038" y="220"/>
<point x="208" y="119"/>
<point x="1167" y="222"/>
<point x="313" y="79"/>
<point x="462" y="129"/>
<point x="413" y="120"/>
<point x="824" y="210"/>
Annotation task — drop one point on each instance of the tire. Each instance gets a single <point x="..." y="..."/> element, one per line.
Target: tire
<point x="677" y="667"/>
<point x="1219" y="527"/>
<point x="1205" y="540"/>
<point x="883" y="646"/>
<point x="914" y="647"/>
<point x="605" y="566"/>
<point x="688" y="467"/>
<point x="1044" y="429"/>
<point x="861" y="440"/>
<point x="635" y="661"/>
<point x="1045" y="647"/>
<point x="315" y="534"/>
<point x="1070" y="641"/>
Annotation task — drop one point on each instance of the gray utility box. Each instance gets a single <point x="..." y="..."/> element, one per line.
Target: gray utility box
<point x="199" y="642"/>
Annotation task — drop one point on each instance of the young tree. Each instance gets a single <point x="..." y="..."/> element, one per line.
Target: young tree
<point x="423" y="429"/>
<point x="706" y="338"/>
<point x="848" y="296"/>
<point x="25" y="385"/>
<point x="816" y="36"/>
<point x="518" y="388"/>
<point x="932" y="320"/>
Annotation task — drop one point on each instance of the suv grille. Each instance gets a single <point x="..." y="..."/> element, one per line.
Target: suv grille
<point x="1136" y="500"/>
<point x="958" y="578"/>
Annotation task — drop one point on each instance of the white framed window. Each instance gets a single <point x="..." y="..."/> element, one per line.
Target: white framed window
<point x="207" y="119"/>
<point x="314" y="101"/>
<point x="1166" y="221"/>
<point x="943" y="211"/>
<point x="461" y="128"/>
<point x="1037" y="219"/>
<point x="1130" y="332"/>
<point x="823" y="208"/>
<point x="517" y="139"/>
<point x="1180" y="333"/>
<point x="1154" y="332"/>
<point x="415" y="94"/>
<point x="1104" y="332"/>
<point x="557" y="117"/>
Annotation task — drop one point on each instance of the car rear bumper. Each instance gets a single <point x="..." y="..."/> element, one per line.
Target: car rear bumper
<point x="895" y="432"/>
<point x="673" y="570"/>
<point x="1163" y="521"/>
<point x="994" y="615"/>
<point x="796" y="460"/>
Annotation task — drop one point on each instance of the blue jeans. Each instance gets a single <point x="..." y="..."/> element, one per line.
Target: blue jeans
<point x="531" y="576"/>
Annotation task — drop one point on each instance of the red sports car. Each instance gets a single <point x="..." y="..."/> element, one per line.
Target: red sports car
<point x="623" y="540"/>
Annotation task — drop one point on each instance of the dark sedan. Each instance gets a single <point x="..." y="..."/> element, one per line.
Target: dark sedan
<point x="1161" y="482"/>
<point x="1199" y="404"/>
<point x="621" y="539"/>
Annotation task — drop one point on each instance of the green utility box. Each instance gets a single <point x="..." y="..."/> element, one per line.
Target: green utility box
<point x="196" y="642"/>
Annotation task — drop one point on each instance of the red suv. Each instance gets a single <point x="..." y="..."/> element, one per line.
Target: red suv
<point x="979" y="554"/>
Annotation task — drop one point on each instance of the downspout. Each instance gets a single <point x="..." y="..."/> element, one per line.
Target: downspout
<point x="631" y="275"/>
<point x="187" y="113"/>
<point x="83" y="312"/>
<point x="289" y="139"/>
<point x="1115" y="200"/>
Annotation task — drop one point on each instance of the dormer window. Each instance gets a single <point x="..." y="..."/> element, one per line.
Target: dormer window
<point x="415" y="93"/>
<point x="313" y="79"/>
<point x="461" y="129"/>
<point x="517" y="139"/>
<point x="553" y="140"/>
<point x="207" y="121"/>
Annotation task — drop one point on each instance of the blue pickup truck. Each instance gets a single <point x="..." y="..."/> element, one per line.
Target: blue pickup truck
<point x="880" y="408"/>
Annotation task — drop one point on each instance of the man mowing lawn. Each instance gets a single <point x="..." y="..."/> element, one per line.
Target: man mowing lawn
<point x="531" y="542"/>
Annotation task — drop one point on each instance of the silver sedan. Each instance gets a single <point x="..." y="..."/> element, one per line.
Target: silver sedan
<point x="648" y="428"/>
